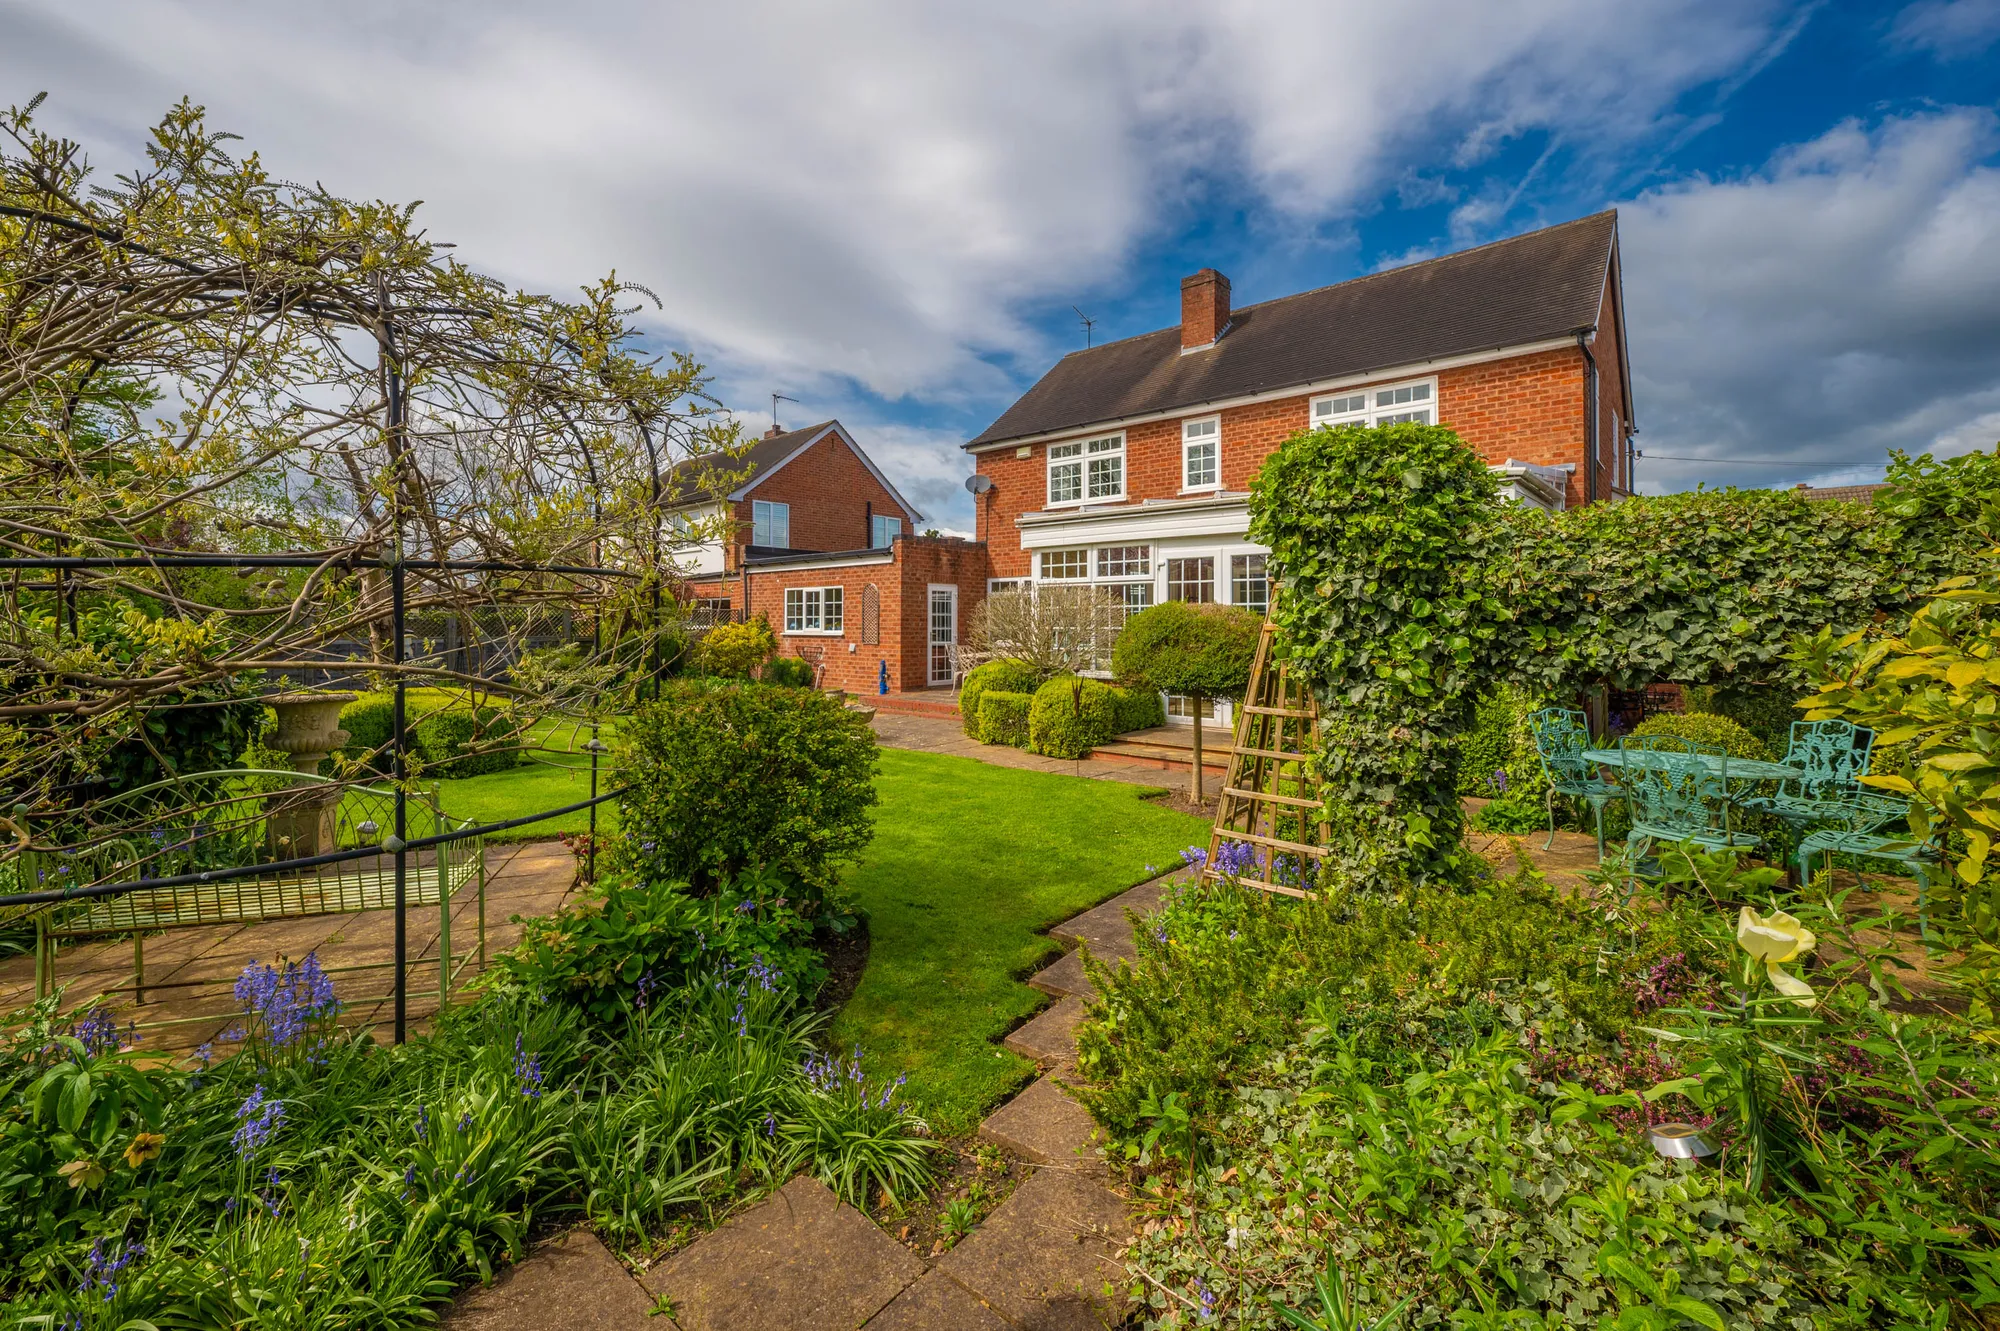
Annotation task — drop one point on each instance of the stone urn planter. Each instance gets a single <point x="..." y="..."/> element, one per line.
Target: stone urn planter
<point x="305" y="821"/>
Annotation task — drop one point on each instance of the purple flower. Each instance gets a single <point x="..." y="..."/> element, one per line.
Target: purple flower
<point x="97" y="1032"/>
<point x="1207" y="1299"/>
<point x="1498" y="780"/>
<point x="102" y="1272"/>
<point x="284" y="1001"/>
<point x="1195" y="857"/>
<point x="465" y="1121"/>
<point x="423" y="1123"/>
<point x="642" y="994"/>
<point x="257" y="1119"/>
<point x="528" y="1070"/>
<point x="1233" y="857"/>
<point x="746" y="906"/>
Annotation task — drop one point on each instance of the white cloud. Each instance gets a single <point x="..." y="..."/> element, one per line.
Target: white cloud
<point x="1948" y="29"/>
<point x="1843" y="301"/>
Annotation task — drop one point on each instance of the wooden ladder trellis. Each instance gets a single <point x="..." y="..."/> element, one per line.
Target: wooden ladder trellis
<point x="1268" y="800"/>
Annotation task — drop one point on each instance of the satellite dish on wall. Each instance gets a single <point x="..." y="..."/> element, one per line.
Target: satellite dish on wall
<point x="978" y="484"/>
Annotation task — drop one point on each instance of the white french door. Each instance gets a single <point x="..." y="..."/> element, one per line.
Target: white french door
<point x="943" y="634"/>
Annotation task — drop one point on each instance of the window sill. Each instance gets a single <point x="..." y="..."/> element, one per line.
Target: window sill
<point x="814" y="633"/>
<point x="1201" y="489"/>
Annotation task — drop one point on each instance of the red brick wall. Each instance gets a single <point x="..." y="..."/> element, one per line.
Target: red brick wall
<point x="903" y="586"/>
<point x="1529" y="408"/>
<point x="832" y="495"/>
<point x="1611" y="398"/>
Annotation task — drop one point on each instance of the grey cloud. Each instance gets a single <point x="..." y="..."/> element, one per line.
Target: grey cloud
<point x="1948" y="29"/>
<point x="1841" y="302"/>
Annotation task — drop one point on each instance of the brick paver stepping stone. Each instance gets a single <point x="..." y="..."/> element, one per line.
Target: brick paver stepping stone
<point x="937" y="1303"/>
<point x="1044" y="1125"/>
<point x="1042" y="1259"/>
<point x="1051" y="1036"/>
<point x="801" y="1261"/>
<point x="574" y="1281"/>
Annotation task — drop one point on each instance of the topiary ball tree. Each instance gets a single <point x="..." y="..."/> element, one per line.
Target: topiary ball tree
<point x="1202" y="652"/>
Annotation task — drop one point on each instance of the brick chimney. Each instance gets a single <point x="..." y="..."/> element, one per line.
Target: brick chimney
<point x="774" y="431"/>
<point x="1204" y="309"/>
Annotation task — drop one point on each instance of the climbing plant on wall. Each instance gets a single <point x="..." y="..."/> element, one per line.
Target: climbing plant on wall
<point x="1405" y="587"/>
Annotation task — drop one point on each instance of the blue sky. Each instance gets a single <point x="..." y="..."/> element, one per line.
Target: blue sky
<point x="887" y="210"/>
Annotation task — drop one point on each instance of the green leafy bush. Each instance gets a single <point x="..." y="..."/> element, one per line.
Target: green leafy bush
<point x="1225" y="974"/>
<point x="1003" y="717"/>
<point x="736" y="651"/>
<point x="1139" y="709"/>
<point x="1489" y="746"/>
<point x="457" y="743"/>
<point x="593" y="952"/>
<point x="1766" y="712"/>
<point x="733" y="777"/>
<point x="1704" y="728"/>
<point x="1071" y="715"/>
<point x="789" y="672"/>
<point x="1006" y="676"/>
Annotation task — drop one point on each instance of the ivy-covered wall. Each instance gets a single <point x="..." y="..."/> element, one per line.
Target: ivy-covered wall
<point x="1405" y="588"/>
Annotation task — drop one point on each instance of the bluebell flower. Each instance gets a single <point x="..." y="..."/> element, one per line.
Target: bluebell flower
<point x="1195" y="857"/>
<point x="465" y="1120"/>
<point x="257" y="1119"/>
<point x="97" y="1032"/>
<point x="423" y="1123"/>
<point x="527" y="1071"/>
<point x="1207" y="1296"/>
<point x="101" y="1271"/>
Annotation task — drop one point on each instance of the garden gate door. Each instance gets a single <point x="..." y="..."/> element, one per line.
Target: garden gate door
<point x="943" y="634"/>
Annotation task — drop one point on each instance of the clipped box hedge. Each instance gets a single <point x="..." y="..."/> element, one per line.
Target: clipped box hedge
<point x="1070" y="716"/>
<point x="1005" y="676"/>
<point x="1003" y="717"/>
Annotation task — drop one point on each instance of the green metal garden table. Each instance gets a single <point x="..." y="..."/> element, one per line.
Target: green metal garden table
<point x="1734" y="769"/>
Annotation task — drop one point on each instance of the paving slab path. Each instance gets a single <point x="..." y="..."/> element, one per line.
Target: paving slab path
<point x="1045" y="1259"/>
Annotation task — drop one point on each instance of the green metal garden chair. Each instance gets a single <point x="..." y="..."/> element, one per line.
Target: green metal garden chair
<point x="1854" y="827"/>
<point x="1561" y="736"/>
<point x="1676" y="797"/>
<point x="1834" y="757"/>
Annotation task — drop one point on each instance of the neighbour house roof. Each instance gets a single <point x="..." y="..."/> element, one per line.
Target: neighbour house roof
<point x="1856" y="494"/>
<point x="683" y="482"/>
<point x="1532" y="288"/>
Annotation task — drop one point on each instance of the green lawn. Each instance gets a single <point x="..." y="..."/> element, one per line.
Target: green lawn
<point x="556" y="772"/>
<point x="968" y="864"/>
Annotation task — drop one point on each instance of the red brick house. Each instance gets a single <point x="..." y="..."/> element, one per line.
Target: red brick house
<point x="1128" y="465"/>
<point x="818" y="541"/>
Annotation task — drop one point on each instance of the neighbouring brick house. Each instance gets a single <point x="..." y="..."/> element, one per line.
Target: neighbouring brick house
<point x="817" y="540"/>
<point x="1127" y="465"/>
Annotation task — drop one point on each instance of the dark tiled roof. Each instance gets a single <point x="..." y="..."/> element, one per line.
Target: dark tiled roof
<point x="683" y="479"/>
<point x="1541" y="285"/>
<point x="1853" y="494"/>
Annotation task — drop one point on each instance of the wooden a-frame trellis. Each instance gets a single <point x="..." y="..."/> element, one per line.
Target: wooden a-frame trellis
<point x="1268" y="799"/>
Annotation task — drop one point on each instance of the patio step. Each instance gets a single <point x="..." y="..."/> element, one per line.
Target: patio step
<point x="1169" y="749"/>
<point x="939" y="704"/>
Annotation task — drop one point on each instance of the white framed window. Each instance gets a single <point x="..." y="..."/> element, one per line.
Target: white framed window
<point x="1061" y="565"/>
<point x="1136" y="596"/>
<point x="1007" y="584"/>
<point x="770" y="524"/>
<point x="882" y="532"/>
<point x="1392" y="405"/>
<point x="814" y="609"/>
<point x="1201" y="454"/>
<point x="1125" y="561"/>
<point x="1087" y="470"/>
<point x="1249" y="583"/>
<point x="1191" y="580"/>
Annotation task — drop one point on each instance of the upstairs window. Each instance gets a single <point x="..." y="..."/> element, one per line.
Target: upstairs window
<point x="1058" y="565"/>
<point x="1083" y="470"/>
<point x="882" y="532"/>
<point x="1201" y="467"/>
<point x="770" y="524"/>
<point x="813" y="609"/>
<point x="1393" y="405"/>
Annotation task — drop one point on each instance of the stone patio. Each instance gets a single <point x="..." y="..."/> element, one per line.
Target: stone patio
<point x="189" y="971"/>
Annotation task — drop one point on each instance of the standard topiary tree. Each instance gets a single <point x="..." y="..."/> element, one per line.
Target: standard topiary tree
<point x="1201" y="651"/>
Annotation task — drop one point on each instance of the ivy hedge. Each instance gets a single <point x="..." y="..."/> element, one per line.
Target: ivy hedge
<point x="1405" y="586"/>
